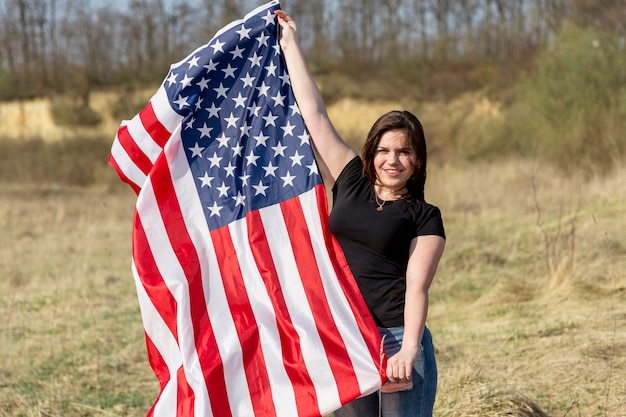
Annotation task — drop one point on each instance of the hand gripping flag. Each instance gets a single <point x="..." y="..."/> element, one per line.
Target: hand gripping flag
<point x="248" y="305"/>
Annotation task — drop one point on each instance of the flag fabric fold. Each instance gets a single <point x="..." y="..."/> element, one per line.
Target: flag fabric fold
<point x="248" y="305"/>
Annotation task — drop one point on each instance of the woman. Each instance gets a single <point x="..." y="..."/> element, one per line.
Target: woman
<point x="391" y="237"/>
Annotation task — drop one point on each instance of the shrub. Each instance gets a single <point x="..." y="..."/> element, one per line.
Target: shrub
<point x="571" y="110"/>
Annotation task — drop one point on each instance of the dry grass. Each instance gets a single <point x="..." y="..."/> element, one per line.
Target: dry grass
<point x="513" y="337"/>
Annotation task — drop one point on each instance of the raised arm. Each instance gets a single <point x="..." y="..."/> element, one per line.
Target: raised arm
<point x="332" y="152"/>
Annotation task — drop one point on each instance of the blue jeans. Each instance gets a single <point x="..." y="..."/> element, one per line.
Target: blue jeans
<point x="417" y="402"/>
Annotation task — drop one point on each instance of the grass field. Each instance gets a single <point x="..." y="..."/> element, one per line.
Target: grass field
<point x="528" y="309"/>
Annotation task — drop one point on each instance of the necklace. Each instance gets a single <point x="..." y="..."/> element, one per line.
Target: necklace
<point x="380" y="204"/>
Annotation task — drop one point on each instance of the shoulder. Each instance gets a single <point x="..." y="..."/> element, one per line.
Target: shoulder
<point x="353" y="171"/>
<point x="428" y="219"/>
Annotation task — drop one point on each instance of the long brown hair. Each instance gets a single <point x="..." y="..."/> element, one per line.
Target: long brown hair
<point x="408" y="123"/>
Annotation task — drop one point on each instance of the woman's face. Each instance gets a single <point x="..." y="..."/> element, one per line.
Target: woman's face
<point x="394" y="160"/>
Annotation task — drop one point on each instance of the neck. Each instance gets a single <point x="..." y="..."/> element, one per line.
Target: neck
<point x="389" y="193"/>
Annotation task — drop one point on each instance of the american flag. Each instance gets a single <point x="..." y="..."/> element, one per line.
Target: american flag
<point x="248" y="305"/>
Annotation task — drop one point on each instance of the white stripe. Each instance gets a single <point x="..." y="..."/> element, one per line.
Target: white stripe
<point x="143" y="140"/>
<point x="164" y="110"/>
<point x="317" y="364"/>
<point x="366" y="370"/>
<point x="174" y="277"/>
<point x="215" y="296"/>
<point x="165" y="343"/>
<point x="282" y="390"/>
<point x="126" y="165"/>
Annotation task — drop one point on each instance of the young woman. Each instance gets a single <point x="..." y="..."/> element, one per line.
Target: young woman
<point x="391" y="237"/>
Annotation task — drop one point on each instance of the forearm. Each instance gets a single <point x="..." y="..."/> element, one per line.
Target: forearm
<point x="415" y="313"/>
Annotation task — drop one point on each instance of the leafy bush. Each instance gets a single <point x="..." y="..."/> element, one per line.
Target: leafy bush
<point x="71" y="111"/>
<point x="572" y="110"/>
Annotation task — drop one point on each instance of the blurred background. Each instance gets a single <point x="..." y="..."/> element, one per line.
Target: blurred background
<point x="524" y="108"/>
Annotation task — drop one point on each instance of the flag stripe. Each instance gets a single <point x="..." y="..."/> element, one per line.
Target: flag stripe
<point x="158" y="334"/>
<point x="130" y="173"/>
<point x="139" y="158"/>
<point x="291" y="353"/>
<point x="300" y="310"/>
<point x="204" y="338"/>
<point x="254" y="364"/>
<point x="331" y="339"/>
<point x="157" y="131"/>
<point x="152" y="281"/>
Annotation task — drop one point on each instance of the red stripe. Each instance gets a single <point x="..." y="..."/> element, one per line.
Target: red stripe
<point x="255" y="366"/>
<point x="139" y="158"/>
<point x="184" y="395"/>
<point x="151" y="278"/>
<point x="157" y="131"/>
<point x="305" y="395"/>
<point x="159" y="367"/>
<point x="123" y="176"/>
<point x="348" y="284"/>
<point x="336" y="350"/>
<point x="206" y="346"/>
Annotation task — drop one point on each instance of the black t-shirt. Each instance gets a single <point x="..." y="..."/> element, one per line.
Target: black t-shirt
<point x="376" y="243"/>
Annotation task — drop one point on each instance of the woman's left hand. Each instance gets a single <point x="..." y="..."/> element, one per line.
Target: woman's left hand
<point x="400" y="365"/>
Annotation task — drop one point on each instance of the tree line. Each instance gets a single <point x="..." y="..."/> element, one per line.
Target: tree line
<point x="75" y="46"/>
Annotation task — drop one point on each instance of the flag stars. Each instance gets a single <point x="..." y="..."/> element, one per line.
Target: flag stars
<point x="230" y="169"/>
<point x="223" y="140"/>
<point x="239" y="101"/>
<point x="193" y="62"/>
<point x="215" y="160"/>
<point x="288" y="179"/>
<point x="251" y="159"/>
<point x="172" y="79"/>
<point x="205" y="131"/>
<point x="248" y="80"/>
<point x="231" y="120"/>
<point x="237" y="149"/>
<point x="237" y="52"/>
<point x="288" y="129"/>
<point x="215" y="209"/>
<point x="214" y="111"/>
<point x="305" y="139"/>
<point x="203" y="84"/>
<point x="186" y="81"/>
<point x="244" y="180"/>
<point x="269" y="18"/>
<point x="196" y="150"/>
<point x="270" y="170"/>
<point x="261" y="139"/>
<point x="190" y="123"/>
<point x="313" y="169"/>
<point x="279" y="149"/>
<point x="221" y="91"/>
<point x="181" y="102"/>
<point x="260" y="188"/>
<point x="263" y="88"/>
<point x="240" y="200"/>
<point x="296" y="159"/>
<point x="229" y="71"/>
<point x="262" y="39"/>
<point x="271" y="69"/>
<point x="211" y="66"/>
<point x="270" y="119"/>
<point x="244" y="32"/>
<point x="205" y="180"/>
<point x="245" y="129"/>
<point x="218" y="46"/>
<point x="223" y="189"/>
<point x="279" y="100"/>
<point x="256" y="60"/>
